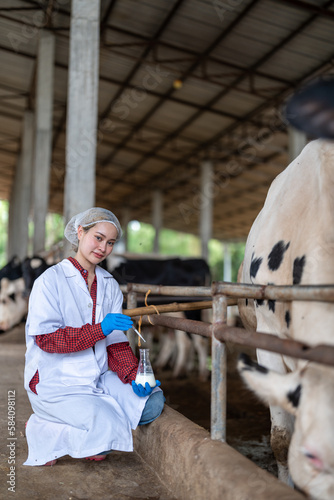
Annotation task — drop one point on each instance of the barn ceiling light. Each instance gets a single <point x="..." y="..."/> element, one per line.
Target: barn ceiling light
<point x="177" y="84"/>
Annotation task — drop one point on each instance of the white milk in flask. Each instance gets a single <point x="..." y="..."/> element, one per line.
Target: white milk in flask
<point x="145" y="371"/>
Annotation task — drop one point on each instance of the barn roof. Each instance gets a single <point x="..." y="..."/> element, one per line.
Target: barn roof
<point x="180" y="82"/>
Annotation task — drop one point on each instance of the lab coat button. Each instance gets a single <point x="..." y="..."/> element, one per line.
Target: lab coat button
<point x="90" y="304"/>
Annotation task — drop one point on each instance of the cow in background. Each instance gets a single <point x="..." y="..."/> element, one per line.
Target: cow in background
<point x="177" y="347"/>
<point x="12" y="270"/>
<point x="16" y="280"/>
<point x="292" y="243"/>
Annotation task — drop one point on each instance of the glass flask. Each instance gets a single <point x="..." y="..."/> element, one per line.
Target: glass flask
<point x="145" y="371"/>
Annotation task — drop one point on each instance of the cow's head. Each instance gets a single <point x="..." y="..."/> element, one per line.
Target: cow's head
<point x="311" y="108"/>
<point x="308" y="394"/>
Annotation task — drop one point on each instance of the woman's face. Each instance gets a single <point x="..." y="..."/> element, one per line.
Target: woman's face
<point x="96" y="243"/>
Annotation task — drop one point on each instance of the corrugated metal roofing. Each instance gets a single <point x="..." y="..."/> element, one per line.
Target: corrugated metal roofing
<point x="238" y="60"/>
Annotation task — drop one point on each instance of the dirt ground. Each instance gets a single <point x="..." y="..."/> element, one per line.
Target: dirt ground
<point x="248" y="421"/>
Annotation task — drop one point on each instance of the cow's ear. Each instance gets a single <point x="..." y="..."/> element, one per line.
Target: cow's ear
<point x="271" y="387"/>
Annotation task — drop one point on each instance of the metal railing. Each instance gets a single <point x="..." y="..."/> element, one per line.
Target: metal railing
<point x="223" y="295"/>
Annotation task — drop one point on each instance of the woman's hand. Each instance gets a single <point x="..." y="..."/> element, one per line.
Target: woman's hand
<point x="142" y="391"/>
<point x="115" y="321"/>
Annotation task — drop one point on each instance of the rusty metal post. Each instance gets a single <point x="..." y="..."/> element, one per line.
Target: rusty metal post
<point x="218" y="374"/>
<point x="131" y="303"/>
<point x="322" y="293"/>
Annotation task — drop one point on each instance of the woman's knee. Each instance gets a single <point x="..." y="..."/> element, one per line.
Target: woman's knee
<point x="153" y="408"/>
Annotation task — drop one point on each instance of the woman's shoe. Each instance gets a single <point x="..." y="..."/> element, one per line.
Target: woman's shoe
<point x="97" y="458"/>
<point x="52" y="462"/>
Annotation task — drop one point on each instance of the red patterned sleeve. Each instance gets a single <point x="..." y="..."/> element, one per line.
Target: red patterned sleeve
<point x="68" y="339"/>
<point x="122" y="361"/>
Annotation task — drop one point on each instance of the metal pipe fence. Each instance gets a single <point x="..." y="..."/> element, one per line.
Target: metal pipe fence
<point x="224" y="294"/>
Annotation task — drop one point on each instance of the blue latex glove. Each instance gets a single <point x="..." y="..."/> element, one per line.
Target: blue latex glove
<point x="142" y="391"/>
<point x="114" y="321"/>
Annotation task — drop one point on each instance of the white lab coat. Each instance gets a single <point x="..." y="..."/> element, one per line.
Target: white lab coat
<point x="81" y="408"/>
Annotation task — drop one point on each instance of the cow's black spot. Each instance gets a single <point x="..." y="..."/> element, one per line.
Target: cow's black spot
<point x="12" y="297"/>
<point x="287" y="318"/>
<point x="259" y="302"/>
<point x="271" y="305"/>
<point x="250" y="364"/>
<point x="298" y="267"/>
<point x="246" y="302"/>
<point x="276" y="255"/>
<point x="255" y="264"/>
<point x="294" y="396"/>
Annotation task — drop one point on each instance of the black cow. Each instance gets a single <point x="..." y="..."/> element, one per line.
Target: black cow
<point x="12" y="270"/>
<point x="31" y="269"/>
<point x="175" y="271"/>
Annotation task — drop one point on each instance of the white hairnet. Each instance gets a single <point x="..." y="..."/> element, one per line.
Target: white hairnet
<point x="89" y="218"/>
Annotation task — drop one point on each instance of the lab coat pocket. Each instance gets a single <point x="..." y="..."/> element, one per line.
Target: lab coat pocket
<point x="78" y="371"/>
<point x="107" y="307"/>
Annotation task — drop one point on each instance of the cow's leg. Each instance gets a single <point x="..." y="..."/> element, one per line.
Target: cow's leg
<point x="167" y="347"/>
<point x="201" y="346"/>
<point x="148" y="332"/>
<point x="183" y="344"/>
<point x="281" y="421"/>
<point x="190" y="364"/>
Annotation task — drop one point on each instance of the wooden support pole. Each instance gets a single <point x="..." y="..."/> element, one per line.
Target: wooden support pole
<point x="188" y="306"/>
<point x="173" y="307"/>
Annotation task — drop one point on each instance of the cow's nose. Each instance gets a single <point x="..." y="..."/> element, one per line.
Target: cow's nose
<point x="313" y="458"/>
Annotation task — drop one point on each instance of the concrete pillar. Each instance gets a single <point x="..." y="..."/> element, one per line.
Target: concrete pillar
<point x="157" y="208"/>
<point x="20" y="202"/>
<point x="297" y="142"/>
<point x="82" y="107"/>
<point x="43" y="136"/>
<point x="206" y="207"/>
<point x="13" y="211"/>
<point x="227" y="262"/>
<point x="122" y="245"/>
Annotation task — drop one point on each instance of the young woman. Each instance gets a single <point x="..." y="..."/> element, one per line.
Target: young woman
<point x="74" y="333"/>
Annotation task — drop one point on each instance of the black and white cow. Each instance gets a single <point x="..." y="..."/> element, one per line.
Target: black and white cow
<point x="177" y="347"/>
<point x="292" y="242"/>
<point x="16" y="280"/>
